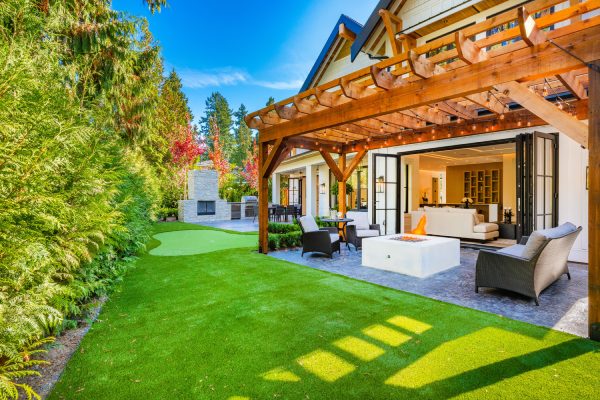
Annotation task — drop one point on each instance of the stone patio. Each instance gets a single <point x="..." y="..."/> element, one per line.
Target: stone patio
<point x="563" y="306"/>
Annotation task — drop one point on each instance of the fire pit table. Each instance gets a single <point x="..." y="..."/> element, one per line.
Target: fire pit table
<point x="414" y="255"/>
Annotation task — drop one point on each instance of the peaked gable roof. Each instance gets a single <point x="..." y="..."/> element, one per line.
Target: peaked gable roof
<point x="351" y="24"/>
<point x="367" y="30"/>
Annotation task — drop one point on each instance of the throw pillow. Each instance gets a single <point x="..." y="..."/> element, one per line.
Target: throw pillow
<point x="535" y="241"/>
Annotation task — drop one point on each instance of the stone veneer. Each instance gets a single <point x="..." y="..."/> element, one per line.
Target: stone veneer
<point x="203" y="185"/>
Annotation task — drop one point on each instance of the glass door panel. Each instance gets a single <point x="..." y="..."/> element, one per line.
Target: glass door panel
<point x="385" y="198"/>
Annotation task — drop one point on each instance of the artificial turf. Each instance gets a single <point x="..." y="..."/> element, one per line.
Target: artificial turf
<point x="234" y="324"/>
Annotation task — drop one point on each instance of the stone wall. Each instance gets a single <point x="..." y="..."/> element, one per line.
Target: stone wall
<point x="203" y="185"/>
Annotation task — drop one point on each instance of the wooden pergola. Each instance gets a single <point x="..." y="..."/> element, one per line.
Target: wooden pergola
<point x="508" y="72"/>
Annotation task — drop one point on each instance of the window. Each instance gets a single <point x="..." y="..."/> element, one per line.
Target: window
<point x="206" y="208"/>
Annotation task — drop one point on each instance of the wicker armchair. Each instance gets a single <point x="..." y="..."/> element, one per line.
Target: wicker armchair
<point x="531" y="266"/>
<point x="324" y="240"/>
<point x="360" y="228"/>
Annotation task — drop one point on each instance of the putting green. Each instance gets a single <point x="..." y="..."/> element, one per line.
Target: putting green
<point x="187" y="243"/>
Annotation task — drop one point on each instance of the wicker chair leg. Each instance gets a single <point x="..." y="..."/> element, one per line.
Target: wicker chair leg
<point x="537" y="301"/>
<point x="476" y="289"/>
<point x="569" y="275"/>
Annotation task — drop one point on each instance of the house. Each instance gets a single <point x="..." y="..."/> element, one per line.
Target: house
<point x="502" y="170"/>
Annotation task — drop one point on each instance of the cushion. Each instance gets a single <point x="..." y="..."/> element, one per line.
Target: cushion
<point x="362" y="233"/>
<point x="479" y="218"/>
<point x="559" y="231"/>
<point x="485" y="227"/>
<point x="435" y="209"/>
<point x="535" y="241"/>
<point x="361" y="219"/>
<point x="334" y="237"/>
<point x="515" y="250"/>
<point x="463" y="210"/>
<point x="308" y="223"/>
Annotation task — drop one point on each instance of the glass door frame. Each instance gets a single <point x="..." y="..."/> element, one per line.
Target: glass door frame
<point x="397" y="194"/>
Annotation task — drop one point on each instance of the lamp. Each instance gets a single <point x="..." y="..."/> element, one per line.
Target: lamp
<point x="323" y="187"/>
<point x="380" y="184"/>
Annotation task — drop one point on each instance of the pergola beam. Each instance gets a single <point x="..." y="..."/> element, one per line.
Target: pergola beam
<point x="460" y="82"/>
<point x="567" y="124"/>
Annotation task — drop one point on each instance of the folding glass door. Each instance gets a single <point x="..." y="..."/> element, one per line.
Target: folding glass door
<point x="537" y="189"/>
<point x="385" y="193"/>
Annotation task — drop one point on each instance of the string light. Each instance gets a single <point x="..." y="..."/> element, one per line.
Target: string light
<point x="519" y="123"/>
<point x="459" y="120"/>
<point x="502" y="116"/>
<point x="435" y="108"/>
<point x="528" y="123"/>
<point x="474" y="127"/>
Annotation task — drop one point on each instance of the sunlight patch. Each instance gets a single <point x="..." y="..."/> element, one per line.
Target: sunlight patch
<point x="386" y="335"/>
<point x="238" y="398"/>
<point x="326" y="365"/>
<point x="409" y="324"/>
<point x="280" y="375"/>
<point x="359" y="348"/>
<point x="187" y="243"/>
<point x="462" y="355"/>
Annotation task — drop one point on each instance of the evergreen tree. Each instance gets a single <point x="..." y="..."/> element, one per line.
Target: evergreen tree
<point x="270" y="101"/>
<point x="217" y="107"/>
<point x="243" y="137"/>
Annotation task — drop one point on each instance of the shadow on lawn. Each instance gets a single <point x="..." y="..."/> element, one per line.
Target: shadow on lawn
<point x="428" y="367"/>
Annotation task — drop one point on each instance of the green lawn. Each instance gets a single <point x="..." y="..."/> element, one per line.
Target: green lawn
<point x="233" y="324"/>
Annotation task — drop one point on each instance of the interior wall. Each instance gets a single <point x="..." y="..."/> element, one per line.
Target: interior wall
<point x="509" y="182"/>
<point x="455" y="179"/>
<point x="425" y="184"/>
<point x="572" y="192"/>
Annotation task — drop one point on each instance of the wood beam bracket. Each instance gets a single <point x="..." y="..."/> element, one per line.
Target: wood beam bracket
<point x="273" y="159"/>
<point x="468" y="51"/>
<point x="384" y="79"/>
<point x="335" y="170"/>
<point x="421" y="66"/>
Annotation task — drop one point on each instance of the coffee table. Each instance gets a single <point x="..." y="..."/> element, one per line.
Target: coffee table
<point x="420" y="259"/>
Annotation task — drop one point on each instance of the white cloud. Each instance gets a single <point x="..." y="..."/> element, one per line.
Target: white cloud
<point x="281" y="85"/>
<point x="201" y="79"/>
<point x="195" y="79"/>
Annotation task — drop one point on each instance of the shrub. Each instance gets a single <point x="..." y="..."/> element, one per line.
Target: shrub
<point x="276" y="227"/>
<point x="285" y="240"/>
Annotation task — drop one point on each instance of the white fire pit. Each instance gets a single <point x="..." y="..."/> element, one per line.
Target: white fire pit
<point x="413" y="255"/>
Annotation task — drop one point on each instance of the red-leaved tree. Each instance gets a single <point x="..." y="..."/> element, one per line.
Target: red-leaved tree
<point x="251" y="170"/>
<point x="216" y="154"/>
<point x="185" y="149"/>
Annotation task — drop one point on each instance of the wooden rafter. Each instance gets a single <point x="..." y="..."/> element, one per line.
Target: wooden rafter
<point x="346" y="33"/>
<point x="466" y="80"/>
<point x="392" y="25"/>
<point x="547" y="111"/>
<point x="533" y="36"/>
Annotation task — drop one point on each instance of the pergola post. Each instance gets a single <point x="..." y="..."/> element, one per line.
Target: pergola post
<point x="594" y="201"/>
<point x="342" y="186"/>
<point x="263" y="200"/>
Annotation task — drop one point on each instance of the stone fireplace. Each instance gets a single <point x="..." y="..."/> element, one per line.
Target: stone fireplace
<point x="203" y="203"/>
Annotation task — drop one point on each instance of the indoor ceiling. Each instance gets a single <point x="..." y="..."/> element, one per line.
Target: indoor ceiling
<point x="439" y="160"/>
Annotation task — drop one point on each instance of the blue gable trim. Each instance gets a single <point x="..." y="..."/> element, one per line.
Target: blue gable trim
<point x="365" y="33"/>
<point x="350" y="24"/>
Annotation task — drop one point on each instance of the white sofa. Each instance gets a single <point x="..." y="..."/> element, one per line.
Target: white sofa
<point x="455" y="222"/>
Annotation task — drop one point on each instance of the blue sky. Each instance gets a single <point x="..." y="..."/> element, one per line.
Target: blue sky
<point x="247" y="50"/>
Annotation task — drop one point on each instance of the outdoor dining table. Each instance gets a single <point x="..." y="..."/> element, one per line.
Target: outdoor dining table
<point x="341" y="225"/>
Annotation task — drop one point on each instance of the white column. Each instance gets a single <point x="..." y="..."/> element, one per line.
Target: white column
<point x="324" y="205"/>
<point x="310" y="195"/>
<point x="276" y="185"/>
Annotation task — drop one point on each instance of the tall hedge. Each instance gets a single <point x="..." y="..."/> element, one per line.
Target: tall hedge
<point x="78" y="191"/>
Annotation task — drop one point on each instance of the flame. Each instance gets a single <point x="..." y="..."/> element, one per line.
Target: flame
<point x="420" y="229"/>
